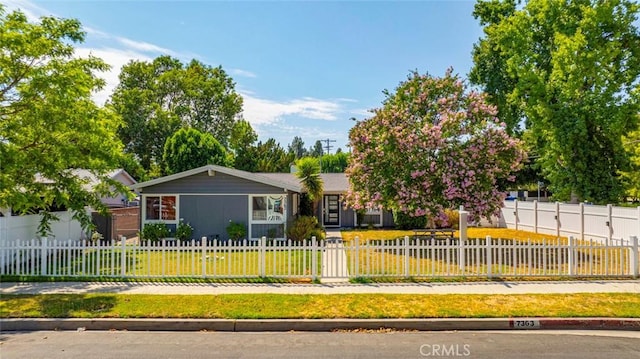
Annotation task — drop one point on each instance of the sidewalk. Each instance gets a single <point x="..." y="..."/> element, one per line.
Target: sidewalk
<point x="529" y="287"/>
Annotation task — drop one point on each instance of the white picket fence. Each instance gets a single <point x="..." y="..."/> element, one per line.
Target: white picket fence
<point x="405" y="257"/>
<point x="610" y="224"/>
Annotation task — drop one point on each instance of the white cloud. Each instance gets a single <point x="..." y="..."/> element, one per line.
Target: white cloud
<point x="261" y="111"/>
<point x="243" y="73"/>
<point x="114" y="57"/>
<point x="268" y="116"/>
<point x="146" y="47"/>
<point x="31" y="10"/>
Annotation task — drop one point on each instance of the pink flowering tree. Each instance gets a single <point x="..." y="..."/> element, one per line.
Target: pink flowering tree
<point x="432" y="146"/>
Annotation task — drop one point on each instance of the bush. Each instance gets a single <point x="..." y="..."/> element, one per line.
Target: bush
<point x="304" y="227"/>
<point x="184" y="231"/>
<point x="96" y="237"/>
<point x="236" y="231"/>
<point x="306" y="205"/>
<point x="453" y="217"/>
<point x="405" y="221"/>
<point x="154" y="231"/>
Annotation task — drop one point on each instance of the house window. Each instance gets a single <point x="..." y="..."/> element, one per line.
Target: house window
<point x="161" y="208"/>
<point x="373" y="216"/>
<point x="269" y="208"/>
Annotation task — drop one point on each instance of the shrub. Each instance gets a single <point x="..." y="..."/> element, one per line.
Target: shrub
<point x="154" y="231"/>
<point x="184" y="231"/>
<point x="304" y="227"/>
<point x="405" y="221"/>
<point x="453" y="217"/>
<point x="236" y="231"/>
<point x="306" y="205"/>
<point x="96" y="237"/>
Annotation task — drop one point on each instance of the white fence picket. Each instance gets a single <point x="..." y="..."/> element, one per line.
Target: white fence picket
<point x="403" y="257"/>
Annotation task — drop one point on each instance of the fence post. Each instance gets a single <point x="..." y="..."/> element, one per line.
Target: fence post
<point x="263" y="255"/>
<point x="406" y="256"/>
<point x="609" y="224"/>
<point x="581" y="207"/>
<point x="314" y="258"/>
<point x="571" y="255"/>
<point x="44" y="251"/>
<point x="123" y="257"/>
<point x="535" y="216"/>
<point x="557" y="219"/>
<point x="462" y="240"/>
<point x="489" y="256"/>
<point x="515" y="213"/>
<point x="203" y="244"/>
<point x="634" y="256"/>
<point x="357" y="258"/>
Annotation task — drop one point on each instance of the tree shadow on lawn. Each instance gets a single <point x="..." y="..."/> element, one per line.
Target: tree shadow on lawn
<point x="75" y="305"/>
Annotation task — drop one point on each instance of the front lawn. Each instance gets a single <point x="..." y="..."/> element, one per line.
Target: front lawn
<point x="474" y="232"/>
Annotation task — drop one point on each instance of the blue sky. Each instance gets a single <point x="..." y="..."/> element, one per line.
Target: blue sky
<point x="303" y="68"/>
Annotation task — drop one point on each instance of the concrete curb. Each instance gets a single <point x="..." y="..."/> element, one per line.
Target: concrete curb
<point x="319" y="325"/>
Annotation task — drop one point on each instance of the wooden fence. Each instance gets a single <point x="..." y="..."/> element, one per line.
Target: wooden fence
<point x="403" y="257"/>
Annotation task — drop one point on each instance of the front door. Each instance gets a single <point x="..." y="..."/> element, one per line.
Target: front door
<point x="331" y="210"/>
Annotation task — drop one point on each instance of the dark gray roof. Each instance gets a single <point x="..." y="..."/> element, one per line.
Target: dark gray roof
<point x="332" y="182"/>
<point x="256" y="177"/>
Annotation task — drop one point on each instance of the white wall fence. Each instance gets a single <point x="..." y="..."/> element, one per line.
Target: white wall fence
<point x="609" y="224"/>
<point x="403" y="257"/>
<point x="22" y="229"/>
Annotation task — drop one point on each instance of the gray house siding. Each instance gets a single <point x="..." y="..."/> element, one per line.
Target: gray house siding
<point x="347" y="217"/>
<point x="219" y="184"/>
<point x="210" y="215"/>
<point x="387" y="219"/>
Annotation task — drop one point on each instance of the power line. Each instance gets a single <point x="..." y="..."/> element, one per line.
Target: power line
<point x="328" y="145"/>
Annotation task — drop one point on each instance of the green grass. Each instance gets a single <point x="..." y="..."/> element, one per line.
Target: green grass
<point x="435" y="262"/>
<point x="170" y="263"/>
<point x="279" y="306"/>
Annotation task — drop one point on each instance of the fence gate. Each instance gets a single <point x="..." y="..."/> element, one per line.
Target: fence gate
<point x="119" y="222"/>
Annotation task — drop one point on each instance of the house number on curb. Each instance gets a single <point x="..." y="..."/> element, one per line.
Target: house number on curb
<point x="525" y="324"/>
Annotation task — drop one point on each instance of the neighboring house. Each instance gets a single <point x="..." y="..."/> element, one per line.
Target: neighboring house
<point x="120" y="175"/>
<point x="24" y="227"/>
<point x="211" y="197"/>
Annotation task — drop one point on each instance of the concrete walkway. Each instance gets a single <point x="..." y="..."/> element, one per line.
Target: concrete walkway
<point x="619" y="286"/>
<point x="334" y="259"/>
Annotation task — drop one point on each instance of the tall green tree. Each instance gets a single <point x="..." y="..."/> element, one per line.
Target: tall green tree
<point x="334" y="163"/>
<point x="297" y="147"/>
<point x="189" y="148"/>
<point x="569" y="70"/>
<point x="242" y="136"/>
<point x="266" y="156"/>
<point x="316" y="150"/>
<point x="631" y="178"/>
<point x="157" y="98"/>
<point x="49" y="124"/>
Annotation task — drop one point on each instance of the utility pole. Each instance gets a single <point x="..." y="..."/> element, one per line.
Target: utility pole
<point x="328" y="145"/>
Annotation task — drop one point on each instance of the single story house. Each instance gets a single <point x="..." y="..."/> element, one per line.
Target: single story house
<point x="210" y="197"/>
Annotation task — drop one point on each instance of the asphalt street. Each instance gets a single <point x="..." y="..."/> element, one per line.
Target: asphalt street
<point x="362" y="344"/>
